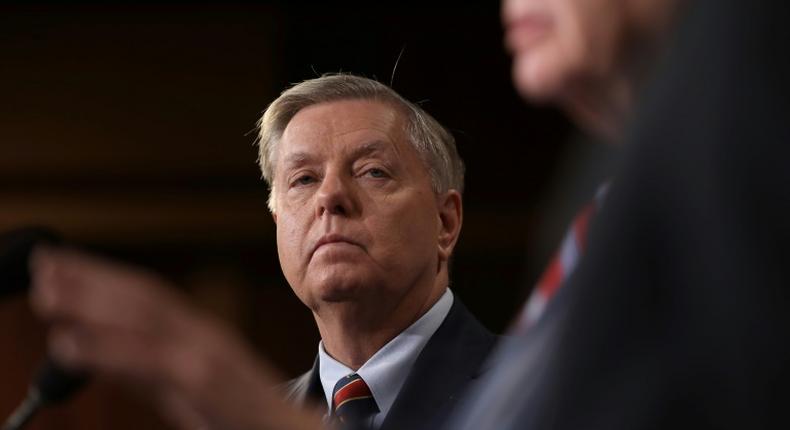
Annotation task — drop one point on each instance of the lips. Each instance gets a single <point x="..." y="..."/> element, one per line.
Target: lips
<point x="332" y="238"/>
<point x="526" y="30"/>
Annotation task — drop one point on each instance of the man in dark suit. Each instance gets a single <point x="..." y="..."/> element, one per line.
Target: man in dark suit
<point x="365" y="192"/>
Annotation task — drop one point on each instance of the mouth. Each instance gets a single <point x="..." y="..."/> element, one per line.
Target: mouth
<point x="526" y="30"/>
<point x="330" y="239"/>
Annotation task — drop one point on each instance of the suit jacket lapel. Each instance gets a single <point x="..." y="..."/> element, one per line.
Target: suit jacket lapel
<point x="451" y="359"/>
<point x="307" y="388"/>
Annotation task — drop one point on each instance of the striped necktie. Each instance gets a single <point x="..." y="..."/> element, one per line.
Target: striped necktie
<point x="352" y="402"/>
<point x="562" y="265"/>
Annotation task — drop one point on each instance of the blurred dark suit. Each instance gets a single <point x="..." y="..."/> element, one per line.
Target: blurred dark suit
<point x="678" y="315"/>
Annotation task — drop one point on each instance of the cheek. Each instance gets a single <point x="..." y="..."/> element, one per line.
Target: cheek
<point x="289" y="245"/>
<point x="591" y="39"/>
<point x="408" y="234"/>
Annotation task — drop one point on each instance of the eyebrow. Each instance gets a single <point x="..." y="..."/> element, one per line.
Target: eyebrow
<point x="301" y="158"/>
<point x="297" y="159"/>
<point x="369" y="149"/>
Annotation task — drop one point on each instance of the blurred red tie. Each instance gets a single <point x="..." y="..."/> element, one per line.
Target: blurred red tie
<point x="561" y="266"/>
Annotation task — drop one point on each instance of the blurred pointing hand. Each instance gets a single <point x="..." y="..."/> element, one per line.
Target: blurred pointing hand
<point x="128" y="324"/>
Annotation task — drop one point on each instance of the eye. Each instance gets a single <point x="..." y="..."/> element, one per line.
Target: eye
<point x="303" y="180"/>
<point x="376" y="173"/>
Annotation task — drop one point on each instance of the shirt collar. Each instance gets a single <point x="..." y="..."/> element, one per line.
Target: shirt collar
<point x="386" y="371"/>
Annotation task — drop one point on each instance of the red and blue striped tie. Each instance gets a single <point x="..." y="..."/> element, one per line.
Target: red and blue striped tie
<point x="352" y="402"/>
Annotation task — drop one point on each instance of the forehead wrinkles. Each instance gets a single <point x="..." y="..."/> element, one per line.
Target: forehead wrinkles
<point x="370" y="127"/>
<point x="381" y="121"/>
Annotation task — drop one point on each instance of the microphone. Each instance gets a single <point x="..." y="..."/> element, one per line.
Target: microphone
<point x="52" y="383"/>
<point x="15" y="249"/>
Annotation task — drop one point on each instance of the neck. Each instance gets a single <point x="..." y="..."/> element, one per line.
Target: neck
<point x="603" y="108"/>
<point x="353" y="331"/>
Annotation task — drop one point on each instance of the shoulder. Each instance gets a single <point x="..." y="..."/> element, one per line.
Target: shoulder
<point x="461" y="325"/>
<point x="306" y="387"/>
<point x="295" y="390"/>
<point x="461" y="342"/>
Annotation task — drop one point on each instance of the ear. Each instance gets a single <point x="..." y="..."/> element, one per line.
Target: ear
<point x="451" y="214"/>
<point x="274" y="217"/>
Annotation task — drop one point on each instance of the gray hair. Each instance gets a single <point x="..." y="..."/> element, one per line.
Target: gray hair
<point x="434" y="144"/>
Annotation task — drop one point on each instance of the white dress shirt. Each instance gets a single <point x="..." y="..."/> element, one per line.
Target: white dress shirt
<point x="386" y="371"/>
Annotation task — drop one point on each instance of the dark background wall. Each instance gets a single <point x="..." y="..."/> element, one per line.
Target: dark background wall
<point x="128" y="128"/>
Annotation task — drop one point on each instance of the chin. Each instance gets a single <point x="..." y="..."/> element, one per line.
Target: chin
<point x="341" y="287"/>
<point x="339" y="294"/>
<point x="537" y="79"/>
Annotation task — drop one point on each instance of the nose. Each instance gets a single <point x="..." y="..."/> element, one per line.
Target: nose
<point x="335" y="196"/>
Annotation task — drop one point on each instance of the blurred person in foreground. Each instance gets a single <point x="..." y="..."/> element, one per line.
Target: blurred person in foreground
<point x="676" y="316"/>
<point x="672" y="311"/>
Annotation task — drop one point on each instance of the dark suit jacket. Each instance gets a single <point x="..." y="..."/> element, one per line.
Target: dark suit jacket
<point x="451" y="359"/>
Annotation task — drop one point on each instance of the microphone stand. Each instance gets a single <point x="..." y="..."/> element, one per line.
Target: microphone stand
<point x="51" y="385"/>
<point x="24" y="412"/>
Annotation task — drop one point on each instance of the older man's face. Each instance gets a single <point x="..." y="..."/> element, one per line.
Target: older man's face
<point x="356" y="215"/>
